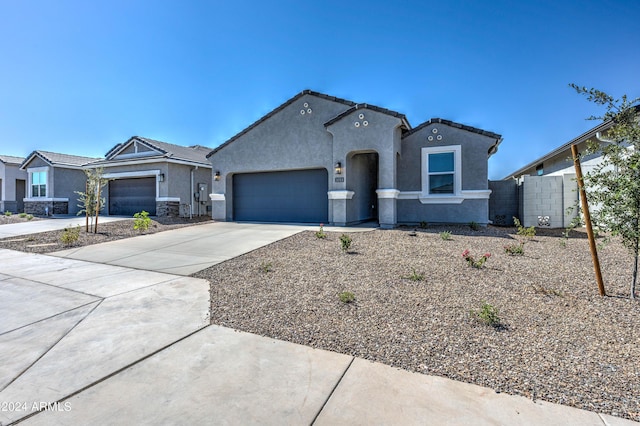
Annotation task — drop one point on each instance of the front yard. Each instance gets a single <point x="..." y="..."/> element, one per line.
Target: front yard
<point x="557" y="339"/>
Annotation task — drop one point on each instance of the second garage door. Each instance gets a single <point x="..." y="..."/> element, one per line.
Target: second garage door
<point x="289" y="196"/>
<point x="129" y="196"/>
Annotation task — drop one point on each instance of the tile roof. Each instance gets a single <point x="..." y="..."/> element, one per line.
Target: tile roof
<point x="371" y="107"/>
<point x="10" y="159"/>
<point x="194" y="153"/>
<point x="452" y="124"/>
<point x="58" y="159"/>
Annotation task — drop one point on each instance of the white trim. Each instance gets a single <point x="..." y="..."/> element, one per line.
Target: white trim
<point x="387" y="193"/>
<point x="340" y="194"/>
<point x="48" y="189"/>
<point x="122" y="175"/>
<point x="116" y="163"/>
<point x="34" y="199"/>
<point x="168" y="199"/>
<point x="457" y="173"/>
<point x="476" y="194"/>
<point x="217" y="197"/>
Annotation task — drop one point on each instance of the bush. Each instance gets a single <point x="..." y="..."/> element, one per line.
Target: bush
<point x="515" y="249"/>
<point x="474" y="226"/>
<point x="345" y="242"/>
<point x="142" y="221"/>
<point x="7" y="213"/>
<point x="473" y="262"/>
<point x="488" y="314"/>
<point x="415" y="276"/>
<point x="320" y="234"/>
<point x="445" y="235"/>
<point x="266" y="267"/>
<point x="70" y="236"/>
<point x="528" y="233"/>
<point x="22" y="215"/>
<point x="29" y="216"/>
<point x="347" y="297"/>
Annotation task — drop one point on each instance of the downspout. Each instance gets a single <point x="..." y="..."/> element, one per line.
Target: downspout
<point x="192" y="194"/>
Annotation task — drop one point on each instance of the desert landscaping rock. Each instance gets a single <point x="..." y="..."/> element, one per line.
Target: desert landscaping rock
<point x="558" y="340"/>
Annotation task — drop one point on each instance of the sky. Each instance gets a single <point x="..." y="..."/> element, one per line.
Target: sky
<point x="79" y="77"/>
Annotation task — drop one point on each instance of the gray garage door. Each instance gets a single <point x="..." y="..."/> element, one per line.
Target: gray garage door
<point x="291" y="196"/>
<point x="129" y="196"/>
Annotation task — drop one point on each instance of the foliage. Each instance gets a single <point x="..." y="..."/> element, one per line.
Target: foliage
<point x="70" y="236"/>
<point x="141" y="221"/>
<point x="528" y="233"/>
<point x="445" y="235"/>
<point x="474" y="226"/>
<point x="423" y="225"/>
<point x="29" y="216"/>
<point x="345" y="242"/>
<point x="415" y="276"/>
<point x="266" y="267"/>
<point x="514" y="249"/>
<point x="475" y="263"/>
<point x="7" y="213"/>
<point x="87" y="201"/>
<point x="321" y="234"/>
<point x="546" y="291"/>
<point x="347" y="297"/>
<point x="488" y="314"/>
<point x="22" y="215"/>
<point x="614" y="184"/>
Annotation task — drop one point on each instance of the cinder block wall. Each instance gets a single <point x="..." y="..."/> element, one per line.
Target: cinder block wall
<point x="543" y="201"/>
<point x="503" y="203"/>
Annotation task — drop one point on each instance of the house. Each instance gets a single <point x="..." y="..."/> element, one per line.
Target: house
<point x="158" y="177"/>
<point x="546" y="189"/>
<point x="321" y="159"/>
<point x="12" y="184"/>
<point x="52" y="179"/>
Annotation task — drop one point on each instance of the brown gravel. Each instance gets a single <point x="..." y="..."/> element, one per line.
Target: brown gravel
<point x="559" y="341"/>
<point x="47" y="242"/>
<point x="15" y="218"/>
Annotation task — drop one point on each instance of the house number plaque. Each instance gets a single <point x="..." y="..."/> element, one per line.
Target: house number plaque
<point x="339" y="179"/>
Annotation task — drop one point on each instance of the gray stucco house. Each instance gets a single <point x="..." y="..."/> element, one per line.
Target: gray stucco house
<point x="12" y="184"/>
<point x="52" y="179"/>
<point x="321" y="159"/>
<point x="161" y="178"/>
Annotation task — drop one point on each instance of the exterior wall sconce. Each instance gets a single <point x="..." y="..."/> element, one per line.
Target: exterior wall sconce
<point x="216" y="177"/>
<point x="338" y="168"/>
<point x="161" y="177"/>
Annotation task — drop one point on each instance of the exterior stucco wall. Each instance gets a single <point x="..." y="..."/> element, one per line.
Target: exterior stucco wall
<point x="65" y="182"/>
<point x="504" y="202"/>
<point x="412" y="212"/>
<point x="9" y="174"/>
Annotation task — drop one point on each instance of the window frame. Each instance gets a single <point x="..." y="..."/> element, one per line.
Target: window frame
<point x="457" y="170"/>
<point x="39" y="170"/>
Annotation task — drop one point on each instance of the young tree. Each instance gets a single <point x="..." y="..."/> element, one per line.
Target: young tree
<point x="91" y="201"/>
<point x="613" y="186"/>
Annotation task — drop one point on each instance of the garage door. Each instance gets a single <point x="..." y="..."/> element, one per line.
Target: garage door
<point x="129" y="196"/>
<point x="291" y="196"/>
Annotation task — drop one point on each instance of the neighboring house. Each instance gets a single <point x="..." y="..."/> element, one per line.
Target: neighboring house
<point x="52" y="181"/>
<point x="158" y="177"/>
<point x="321" y="159"/>
<point x="12" y="184"/>
<point x="547" y="192"/>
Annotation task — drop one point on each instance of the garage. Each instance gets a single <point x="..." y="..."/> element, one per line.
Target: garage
<point x="129" y="196"/>
<point x="285" y="196"/>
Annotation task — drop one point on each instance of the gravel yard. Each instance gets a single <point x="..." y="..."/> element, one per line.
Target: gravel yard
<point x="557" y="339"/>
<point x="47" y="242"/>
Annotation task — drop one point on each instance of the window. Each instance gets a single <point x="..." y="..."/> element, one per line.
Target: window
<point x="39" y="184"/>
<point x="539" y="170"/>
<point x="441" y="170"/>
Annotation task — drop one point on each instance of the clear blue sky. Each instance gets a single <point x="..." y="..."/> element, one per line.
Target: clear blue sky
<point x="81" y="76"/>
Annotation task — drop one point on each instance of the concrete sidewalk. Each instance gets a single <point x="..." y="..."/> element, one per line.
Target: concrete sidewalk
<point x="49" y="224"/>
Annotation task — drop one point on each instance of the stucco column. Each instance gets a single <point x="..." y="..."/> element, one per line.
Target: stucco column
<point x="387" y="216"/>
<point x="338" y="200"/>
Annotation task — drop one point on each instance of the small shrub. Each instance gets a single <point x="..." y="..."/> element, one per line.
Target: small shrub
<point x="415" y="276"/>
<point x="474" y="226"/>
<point x="320" y="234"/>
<point x="473" y="262"/>
<point x="347" y="297"/>
<point x="445" y="235"/>
<point x="29" y="216"/>
<point x="266" y="267"/>
<point x="515" y="249"/>
<point x="22" y="215"/>
<point x="423" y="224"/>
<point x="70" y="236"/>
<point x="142" y="221"/>
<point x="488" y="314"/>
<point x="547" y="291"/>
<point x="528" y="233"/>
<point x="7" y="213"/>
<point x="345" y="242"/>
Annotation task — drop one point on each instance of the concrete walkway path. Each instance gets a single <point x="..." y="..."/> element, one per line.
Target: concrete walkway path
<point x="49" y="224"/>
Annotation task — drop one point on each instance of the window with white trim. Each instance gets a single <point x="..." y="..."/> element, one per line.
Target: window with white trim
<point x="441" y="171"/>
<point x="38" y="183"/>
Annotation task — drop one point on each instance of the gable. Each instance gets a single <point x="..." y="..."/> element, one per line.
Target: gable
<point x="133" y="148"/>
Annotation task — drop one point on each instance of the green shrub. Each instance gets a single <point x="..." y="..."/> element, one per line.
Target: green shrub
<point x="320" y="234"/>
<point x="528" y="233"/>
<point x="345" y="242"/>
<point x="22" y="215"/>
<point x="423" y="224"/>
<point x="29" y="216"/>
<point x="488" y="314"/>
<point x="474" y="226"/>
<point x="514" y="249"/>
<point x="266" y="267"/>
<point x="415" y="276"/>
<point x="347" y="297"/>
<point x="445" y="235"/>
<point x="70" y="236"/>
<point x="141" y="221"/>
<point x="7" y="213"/>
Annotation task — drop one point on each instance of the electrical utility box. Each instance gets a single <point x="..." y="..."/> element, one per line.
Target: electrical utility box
<point x="203" y="193"/>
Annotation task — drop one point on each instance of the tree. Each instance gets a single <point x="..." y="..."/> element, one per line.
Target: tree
<point x="91" y="201"/>
<point x="614" y="184"/>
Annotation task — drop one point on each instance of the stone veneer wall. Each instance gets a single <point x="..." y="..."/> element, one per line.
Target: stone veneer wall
<point x="167" y="209"/>
<point x="38" y="208"/>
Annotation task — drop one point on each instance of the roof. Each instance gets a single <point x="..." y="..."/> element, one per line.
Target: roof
<point x="278" y="109"/>
<point x="452" y="124"/>
<point x="10" y="159"/>
<point x="58" y="159"/>
<point x="370" y="107"/>
<point x="565" y="147"/>
<point x="193" y="154"/>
